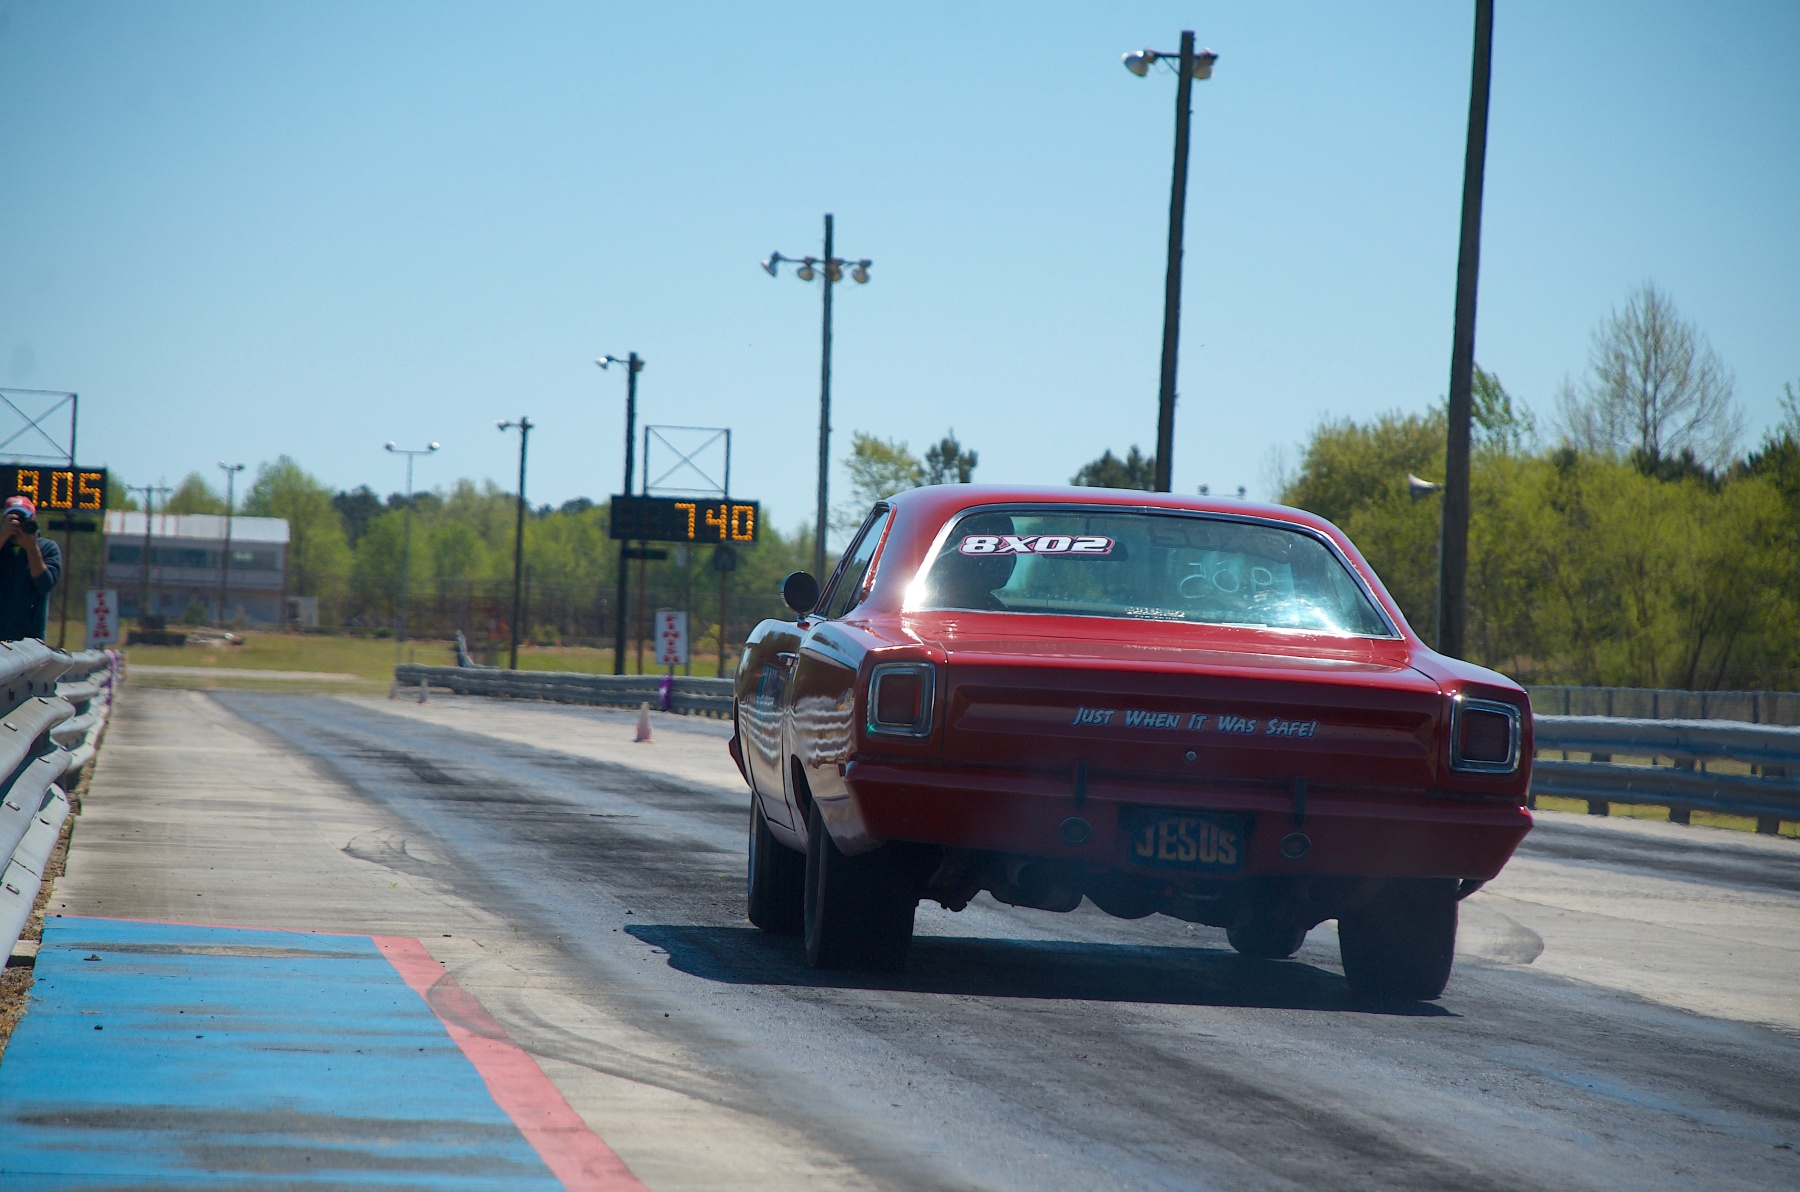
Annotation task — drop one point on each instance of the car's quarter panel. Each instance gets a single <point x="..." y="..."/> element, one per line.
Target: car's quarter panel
<point x="763" y="675"/>
<point x="821" y="726"/>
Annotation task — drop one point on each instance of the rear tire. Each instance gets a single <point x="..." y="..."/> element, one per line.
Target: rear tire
<point x="1403" y="943"/>
<point x="858" y="910"/>
<point x="777" y="885"/>
<point x="1266" y="940"/>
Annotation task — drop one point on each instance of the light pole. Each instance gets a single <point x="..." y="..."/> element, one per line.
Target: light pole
<point x="524" y="425"/>
<point x="1188" y="66"/>
<point x="231" y="471"/>
<point x="1453" y="547"/>
<point x="151" y="492"/>
<point x="633" y="366"/>
<point x="832" y="269"/>
<point x="406" y="532"/>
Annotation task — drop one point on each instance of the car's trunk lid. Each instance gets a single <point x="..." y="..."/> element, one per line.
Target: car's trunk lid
<point x="1244" y="707"/>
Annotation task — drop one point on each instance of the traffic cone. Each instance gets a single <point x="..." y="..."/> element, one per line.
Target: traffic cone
<point x="643" y="731"/>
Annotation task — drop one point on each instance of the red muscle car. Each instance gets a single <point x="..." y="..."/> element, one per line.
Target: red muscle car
<point x="1198" y="708"/>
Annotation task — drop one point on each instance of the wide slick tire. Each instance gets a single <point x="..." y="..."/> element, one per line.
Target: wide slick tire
<point x="1402" y="944"/>
<point x="858" y="911"/>
<point x="777" y="878"/>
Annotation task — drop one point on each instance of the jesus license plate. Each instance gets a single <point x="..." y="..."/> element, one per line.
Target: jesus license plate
<point x="1185" y="840"/>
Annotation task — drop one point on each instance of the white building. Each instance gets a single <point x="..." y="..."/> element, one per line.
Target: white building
<point x="186" y="555"/>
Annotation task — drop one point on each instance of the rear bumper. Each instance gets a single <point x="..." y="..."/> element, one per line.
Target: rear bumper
<point x="1359" y="835"/>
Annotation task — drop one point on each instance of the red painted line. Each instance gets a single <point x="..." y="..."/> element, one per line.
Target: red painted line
<point x="573" y="1153"/>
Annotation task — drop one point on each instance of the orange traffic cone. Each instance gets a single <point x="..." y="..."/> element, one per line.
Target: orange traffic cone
<point x="643" y="730"/>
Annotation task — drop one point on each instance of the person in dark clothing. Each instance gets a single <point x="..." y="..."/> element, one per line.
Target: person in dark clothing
<point x="29" y="570"/>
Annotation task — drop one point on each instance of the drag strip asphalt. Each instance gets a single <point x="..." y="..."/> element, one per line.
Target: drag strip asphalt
<point x="1029" y="1050"/>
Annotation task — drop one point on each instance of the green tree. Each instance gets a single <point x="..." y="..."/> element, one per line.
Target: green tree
<point x="946" y="462"/>
<point x="1136" y="470"/>
<point x="1348" y="465"/>
<point x="357" y="507"/>
<point x="318" y="553"/>
<point x="194" y="495"/>
<point x="878" y="469"/>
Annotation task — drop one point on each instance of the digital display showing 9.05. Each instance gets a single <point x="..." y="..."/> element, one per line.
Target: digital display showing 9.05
<point x="75" y="489"/>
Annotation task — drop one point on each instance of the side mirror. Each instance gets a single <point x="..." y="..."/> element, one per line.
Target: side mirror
<point x="800" y="592"/>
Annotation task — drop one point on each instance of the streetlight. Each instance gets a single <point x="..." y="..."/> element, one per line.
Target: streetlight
<point x="832" y="269"/>
<point x="231" y="471"/>
<point x="524" y="425"/>
<point x="633" y="366"/>
<point x="406" y="534"/>
<point x="1188" y="66"/>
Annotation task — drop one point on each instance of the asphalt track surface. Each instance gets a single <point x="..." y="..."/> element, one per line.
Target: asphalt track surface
<point x="1028" y="1050"/>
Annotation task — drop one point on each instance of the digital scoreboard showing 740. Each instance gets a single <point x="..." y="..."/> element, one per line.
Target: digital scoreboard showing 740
<point x="72" y="490"/>
<point x="676" y="519"/>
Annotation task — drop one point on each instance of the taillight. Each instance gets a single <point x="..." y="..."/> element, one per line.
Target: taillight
<point x="900" y="699"/>
<point x="1484" y="736"/>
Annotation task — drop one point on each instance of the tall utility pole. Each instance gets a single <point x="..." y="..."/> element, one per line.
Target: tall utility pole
<point x="1453" y="557"/>
<point x="824" y="413"/>
<point x="406" y="531"/>
<point x="633" y="366"/>
<point x="524" y="425"/>
<point x="151" y="492"/>
<point x="832" y="268"/>
<point x="1188" y="67"/>
<point x="231" y="471"/>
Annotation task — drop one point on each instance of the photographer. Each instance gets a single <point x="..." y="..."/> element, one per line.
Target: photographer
<point x="29" y="569"/>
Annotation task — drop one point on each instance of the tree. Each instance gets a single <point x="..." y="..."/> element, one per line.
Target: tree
<point x="1654" y="388"/>
<point x="318" y="553"/>
<point x="1348" y="465"/>
<point x="947" y="463"/>
<point x="1500" y="424"/>
<point x="358" y="507"/>
<point x="878" y="469"/>
<point x="194" y="495"/>
<point x="1109" y="471"/>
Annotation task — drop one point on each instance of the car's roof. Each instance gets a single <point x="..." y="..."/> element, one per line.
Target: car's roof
<point x="942" y="500"/>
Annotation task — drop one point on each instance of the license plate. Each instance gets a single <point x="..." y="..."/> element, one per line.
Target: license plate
<point x="1185" y="840"/>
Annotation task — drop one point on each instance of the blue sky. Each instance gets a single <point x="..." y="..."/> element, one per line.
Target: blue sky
<point x="242" y="230"/>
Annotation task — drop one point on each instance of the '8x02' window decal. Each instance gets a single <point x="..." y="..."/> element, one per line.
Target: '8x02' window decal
<point x="1035" y="544"/>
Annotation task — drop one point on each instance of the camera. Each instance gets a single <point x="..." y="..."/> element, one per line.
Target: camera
<point x="30" y="523"/>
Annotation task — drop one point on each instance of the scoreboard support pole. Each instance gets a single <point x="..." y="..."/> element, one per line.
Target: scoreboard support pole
<point x="68" y="575"/>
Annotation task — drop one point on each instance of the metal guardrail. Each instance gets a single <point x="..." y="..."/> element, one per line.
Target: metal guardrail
<point x="54" y="707"/>
<point x="689" y="696"/>
<point x="1654" y="703"/>
<point x="1676" y="752"/>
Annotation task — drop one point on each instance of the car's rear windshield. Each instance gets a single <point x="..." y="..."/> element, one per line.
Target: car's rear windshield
<point x="1146" y="565"/>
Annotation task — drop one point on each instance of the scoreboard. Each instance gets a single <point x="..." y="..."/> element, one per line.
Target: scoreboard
<point x="61" y="490"/>
<point x="696" y="520"/>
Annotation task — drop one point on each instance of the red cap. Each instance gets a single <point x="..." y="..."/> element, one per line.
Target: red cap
<point x="24" y="503"/>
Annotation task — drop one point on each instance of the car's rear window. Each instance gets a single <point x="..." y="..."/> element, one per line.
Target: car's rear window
<point x="1152" y="566"/>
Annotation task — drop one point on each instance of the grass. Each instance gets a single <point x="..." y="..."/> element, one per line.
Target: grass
<point x="370" y="659"/>
<point x="1696" y="819"/>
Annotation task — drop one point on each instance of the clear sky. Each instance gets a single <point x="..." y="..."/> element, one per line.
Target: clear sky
<point x="247" y="229"/>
